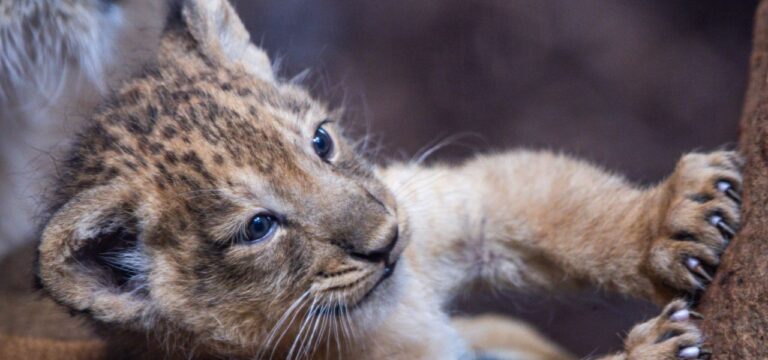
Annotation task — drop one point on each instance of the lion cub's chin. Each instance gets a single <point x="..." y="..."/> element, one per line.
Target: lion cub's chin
<point x="380" y="301"/>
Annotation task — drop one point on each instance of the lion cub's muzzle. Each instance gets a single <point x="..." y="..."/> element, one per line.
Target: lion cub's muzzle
<point x="383" y="254"/>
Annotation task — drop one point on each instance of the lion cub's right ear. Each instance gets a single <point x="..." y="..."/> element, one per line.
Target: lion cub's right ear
<point x="91" y="258"/>
<point x="222" y="37"/>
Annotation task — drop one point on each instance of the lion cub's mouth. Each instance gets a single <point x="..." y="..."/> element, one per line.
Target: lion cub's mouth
<point x="389" y="269"/>
<point x="339" y="309"/>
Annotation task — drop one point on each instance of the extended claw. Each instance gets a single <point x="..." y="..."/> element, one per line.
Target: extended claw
<point x="694" y="265"/>
<point x="726" y="230"/>
<point x="696" y="315"/>
<point x="691" y="352"/>
<point x="680" y="315"/>
<point x="728" y="188"/>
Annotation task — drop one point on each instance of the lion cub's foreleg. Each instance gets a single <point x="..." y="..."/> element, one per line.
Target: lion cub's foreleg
<point x="534" y="219"/>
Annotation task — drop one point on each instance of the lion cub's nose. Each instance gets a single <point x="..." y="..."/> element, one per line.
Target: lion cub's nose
<point x="381" y="254"/>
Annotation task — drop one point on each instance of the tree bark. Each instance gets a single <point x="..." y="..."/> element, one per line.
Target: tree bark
<point x="735" y="306"/>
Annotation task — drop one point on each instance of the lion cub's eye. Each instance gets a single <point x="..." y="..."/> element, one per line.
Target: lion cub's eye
<point x="322" y="143"/>
<point x="262" y="226"/>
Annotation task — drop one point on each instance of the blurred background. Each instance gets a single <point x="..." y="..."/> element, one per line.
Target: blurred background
<point x="628" y="84"/>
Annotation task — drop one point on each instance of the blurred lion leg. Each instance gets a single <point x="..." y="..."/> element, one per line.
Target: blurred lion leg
<point x="501" y="337"/>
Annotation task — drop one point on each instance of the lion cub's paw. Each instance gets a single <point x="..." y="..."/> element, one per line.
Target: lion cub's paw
<point x="703" y="201"/>
<point x="671" y="335"/>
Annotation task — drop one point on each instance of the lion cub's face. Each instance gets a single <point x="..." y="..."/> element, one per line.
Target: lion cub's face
<point x="208" y="202"/>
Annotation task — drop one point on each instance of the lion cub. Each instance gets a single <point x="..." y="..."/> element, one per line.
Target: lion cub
<point x="210" y="210"/>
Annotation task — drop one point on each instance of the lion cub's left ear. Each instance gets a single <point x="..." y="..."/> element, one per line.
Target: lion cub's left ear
<point x="222" y="37"/>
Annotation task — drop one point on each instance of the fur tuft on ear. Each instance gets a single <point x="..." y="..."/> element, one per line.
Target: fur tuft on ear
<point x="91" y="258"/>
<point x="222" y="37"/>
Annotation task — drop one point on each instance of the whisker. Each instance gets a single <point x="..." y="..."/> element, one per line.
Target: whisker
<point x="287" y="327"/>
<point x="312" y="331"/>
<point x="321" y="331"/>
<point x="307" y="319"/>
<point x="336" y="333"/>
<point x="348" y="321"/>
<point x="342" y="324"/>
<point x="282" y="320"/>
<point x="328" y="323"/>
<point x="430" y="149"/>
<point x="415" y="183"/>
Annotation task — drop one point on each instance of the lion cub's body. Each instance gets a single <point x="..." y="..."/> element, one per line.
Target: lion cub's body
<point x="148" y="231"/>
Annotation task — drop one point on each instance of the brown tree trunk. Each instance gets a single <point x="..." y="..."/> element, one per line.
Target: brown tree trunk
<point x="735" y="306"/>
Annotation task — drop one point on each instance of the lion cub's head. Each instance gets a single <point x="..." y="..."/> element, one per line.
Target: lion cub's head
<point x="210" y="202"/>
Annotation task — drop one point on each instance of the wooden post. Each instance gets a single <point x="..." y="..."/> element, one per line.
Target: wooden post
<point x="735" y="306"/>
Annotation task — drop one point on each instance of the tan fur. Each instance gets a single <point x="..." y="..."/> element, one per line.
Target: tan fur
<point x="173" y="168"/>
<point x="500" y="337"/>
<point x="533" y="219"/>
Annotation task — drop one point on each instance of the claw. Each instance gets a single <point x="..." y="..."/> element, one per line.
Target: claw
<point x="691" y="352"/>
<point x="733" y="195"/>
<point x="680" y="315"/>
<point x="727" y="188"/>
<point x="726" y="230"/>
<point x="696" y="315"/>
<point x="724" y="185"/>
<point x="694" y="265"/>
<point x="715" y="219"/>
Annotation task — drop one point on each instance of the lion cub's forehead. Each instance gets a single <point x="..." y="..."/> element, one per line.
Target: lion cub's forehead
<point x="193" y="98"/>
<point x="190" y="125"/>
